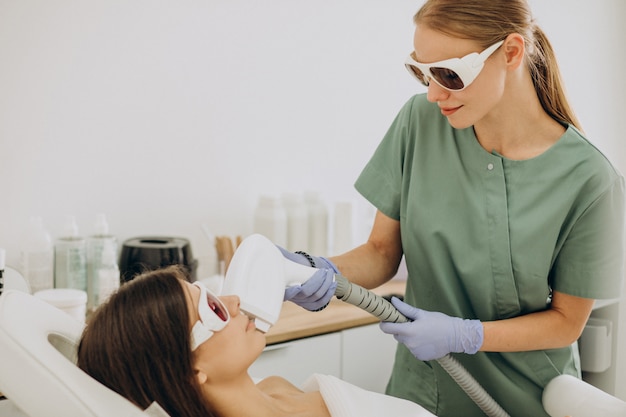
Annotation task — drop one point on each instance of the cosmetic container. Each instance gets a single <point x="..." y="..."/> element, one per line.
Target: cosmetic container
<point x="108" y="273"/>
<point x="318" y="224"/>
<point x="297" y="222"/>
<point x="70" y="258"/>
<point x="98" y="243"/>
<point x="37" y="256"/>
<point x="270" y="220"/>
<point x="343" y="227"/>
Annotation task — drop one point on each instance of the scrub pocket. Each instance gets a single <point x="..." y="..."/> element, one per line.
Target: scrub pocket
<point x="413" y="380"/>
<point x="541" y="366"/>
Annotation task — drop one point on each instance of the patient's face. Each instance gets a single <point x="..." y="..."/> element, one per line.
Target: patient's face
<point x="231" y="350"/>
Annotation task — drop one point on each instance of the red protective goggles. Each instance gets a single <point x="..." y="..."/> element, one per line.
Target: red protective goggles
<point x="214" y="316"/>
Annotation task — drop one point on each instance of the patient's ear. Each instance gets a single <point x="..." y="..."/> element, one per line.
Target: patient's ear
<point x="201" y="368"/>
<point x="201" y="376"/>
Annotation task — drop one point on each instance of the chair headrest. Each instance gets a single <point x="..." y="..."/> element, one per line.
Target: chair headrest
<point x="567" y="395"/>
<point x="37" y="356"/>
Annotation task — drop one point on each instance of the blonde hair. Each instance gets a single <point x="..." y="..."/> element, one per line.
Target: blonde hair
<point x="490" y="21"/>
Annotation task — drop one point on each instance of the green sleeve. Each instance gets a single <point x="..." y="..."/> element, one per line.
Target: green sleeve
<point x="381" y="182"/>
<point x="591" y="262"/>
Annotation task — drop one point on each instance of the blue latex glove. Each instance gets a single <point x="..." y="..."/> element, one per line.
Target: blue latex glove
<point x="432" y="335"/>
<point x="315" y="293"/>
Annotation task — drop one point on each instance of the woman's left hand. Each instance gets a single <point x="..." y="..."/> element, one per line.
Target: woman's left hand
<point x="315" y="293"/>
<point x="432" y="335"/>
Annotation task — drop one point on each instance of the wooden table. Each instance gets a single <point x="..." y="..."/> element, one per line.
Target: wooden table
<point x="296" y="323"/>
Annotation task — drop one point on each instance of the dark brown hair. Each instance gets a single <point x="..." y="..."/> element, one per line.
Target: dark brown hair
<point x="490" y="21"/>
<point x="138" y="344"/>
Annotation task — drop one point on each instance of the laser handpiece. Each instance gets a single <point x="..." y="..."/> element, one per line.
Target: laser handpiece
<point x="381" y="308"/>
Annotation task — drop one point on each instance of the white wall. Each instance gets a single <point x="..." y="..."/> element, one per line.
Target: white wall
<point x="586" y="35"/>
<point x="164" y="114"/>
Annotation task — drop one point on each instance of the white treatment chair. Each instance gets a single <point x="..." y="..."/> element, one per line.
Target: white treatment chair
<point x="38" y="372"/>
<point x="37" y="364"/>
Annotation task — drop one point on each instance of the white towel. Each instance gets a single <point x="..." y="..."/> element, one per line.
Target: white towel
<point x="346" y="400"/>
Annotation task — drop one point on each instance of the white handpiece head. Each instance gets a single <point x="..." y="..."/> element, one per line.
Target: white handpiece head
<point x="295" y="273"/>
<point x="258" y="274"/>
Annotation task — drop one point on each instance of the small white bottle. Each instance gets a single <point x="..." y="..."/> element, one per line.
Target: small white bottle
<point x="343" y="230"/>
<point x="318" y="224"/>
<point x="100" y="240"/>
<point x="38" y="256"/>
<point x="297" y="222"/>
<point x="270" y="220"/>
<point x="108" y="273"/>
<point x="70" y="258"/>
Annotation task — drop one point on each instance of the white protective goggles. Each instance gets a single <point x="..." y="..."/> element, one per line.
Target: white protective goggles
<point x="453" y="74"/>
<point x="214" y="316"/>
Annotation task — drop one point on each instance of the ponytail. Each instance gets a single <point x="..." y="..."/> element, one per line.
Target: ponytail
<point x="548" y="82"/>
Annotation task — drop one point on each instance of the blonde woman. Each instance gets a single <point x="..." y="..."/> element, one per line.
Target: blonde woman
<point x="511" y="222"/>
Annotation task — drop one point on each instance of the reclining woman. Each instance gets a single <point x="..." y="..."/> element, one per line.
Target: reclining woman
<point x="161" y="338"/>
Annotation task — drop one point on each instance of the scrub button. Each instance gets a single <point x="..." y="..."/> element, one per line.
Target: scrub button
<point x="490" y="166"/>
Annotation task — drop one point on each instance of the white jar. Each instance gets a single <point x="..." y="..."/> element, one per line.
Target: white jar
<point x="318" y="224"/>
<point x="108" y="279"/>
<point x="343" y="230"/>
<point x="38" y="256"/>
<point x="71" y="301"/>
<point x="297" y="222"/>
<point x="97" y="244"/>
<point x="270" y="220"/>
<point x="70" y="259"/>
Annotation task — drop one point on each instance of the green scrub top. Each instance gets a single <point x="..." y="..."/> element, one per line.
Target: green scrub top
<point x="488" y="238"/>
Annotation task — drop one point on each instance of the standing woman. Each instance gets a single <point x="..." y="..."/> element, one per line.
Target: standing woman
<point x="511" y="222"/>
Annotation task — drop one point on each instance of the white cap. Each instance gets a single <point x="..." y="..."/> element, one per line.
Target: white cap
<point x="311" y="196"/>
<point x="108" y="253"/>
<point x="101" y="227"/>
<point x="266" y="200"/>
<point x="39" y="239"/>
<point x="71" y="228"/>
<point x="290" y="198"/>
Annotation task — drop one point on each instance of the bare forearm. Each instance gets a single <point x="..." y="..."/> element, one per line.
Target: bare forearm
<point x="376" y="261"/>
<point x="367" y="266"/>
<point x="556" y="327"/>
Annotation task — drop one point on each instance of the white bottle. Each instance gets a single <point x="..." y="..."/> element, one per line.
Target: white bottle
<point x="318" y="224"/>
<point x="270" y="220"/>
<point x="108" y="273"/>
<point x="38" y="256"/>
<point x="96" y="245"/>
<point x="297" y="222"/>
<point x="343" y="230"/>
<point x="70" y="258"/>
